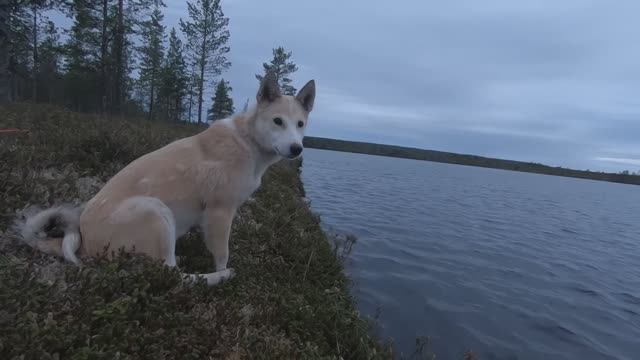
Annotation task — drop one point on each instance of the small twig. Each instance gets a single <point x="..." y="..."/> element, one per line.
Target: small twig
<point x="287" y="221"/>
<point x="304" y="277"/>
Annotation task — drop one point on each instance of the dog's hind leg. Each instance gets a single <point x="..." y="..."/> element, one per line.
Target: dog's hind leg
<point x="146" y="224"/>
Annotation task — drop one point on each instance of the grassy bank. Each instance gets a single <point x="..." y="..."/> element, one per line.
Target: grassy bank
<point x="289" y="299"/>
<point x="463" y="159"/>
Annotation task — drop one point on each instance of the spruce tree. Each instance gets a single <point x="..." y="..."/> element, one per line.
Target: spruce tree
<point x="118" y="58"/>
<point x="151" y="55"/>
<point x="125" y="18"/>
<point x="49" y="59"/>
<point x="84" y="58"/>
<point x="282" y="66"/>
<point x="36" y="9"/>
<point x="100" y="51"/>
<point x="222" y="106"/>
<point x="206" y="40"/>
<point x="173" y="87"/>
<point x="21" y="24"/>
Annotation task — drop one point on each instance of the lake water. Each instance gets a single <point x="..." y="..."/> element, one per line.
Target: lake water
<point x="510" y="265"/>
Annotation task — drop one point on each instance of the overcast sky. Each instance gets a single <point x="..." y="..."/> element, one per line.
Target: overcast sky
<point x="556" y="82"/>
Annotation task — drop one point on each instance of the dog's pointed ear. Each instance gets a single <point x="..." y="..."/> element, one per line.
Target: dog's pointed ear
<point x="269" y="90"/>
<point x="307" y="95"/>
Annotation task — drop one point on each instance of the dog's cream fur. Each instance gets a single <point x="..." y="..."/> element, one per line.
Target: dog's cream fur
<point x="201" y="179"/>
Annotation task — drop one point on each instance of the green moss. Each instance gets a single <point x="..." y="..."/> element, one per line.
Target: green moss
<point x="289" y="299"/>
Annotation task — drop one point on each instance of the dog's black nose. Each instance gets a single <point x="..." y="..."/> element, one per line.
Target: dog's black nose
<point x="295" y="149"/>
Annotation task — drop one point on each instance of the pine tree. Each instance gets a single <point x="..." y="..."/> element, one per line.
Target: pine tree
<point x="125" y="17"/>
<point x="105" y="61"/>
<point x="17" y="41"/>
<point x="192" y="92"/>
<point x="89" y="53"/>
<point x="119" y="44"/>
<point x="100" y="52"/>
<point x="18" y="27"/>
<point x="282" y="67"/>
<point x="173" y="86"/>
<point x="222" y="106"/>
<point x="84" y="58"/>
<point x="49" y="58"/>
<point x="5" y="36"/>
<point x="152" y="36"/>
<point x="37" y="6"/>
<point x="22" y="25"/>
<point x="207" y="37"/>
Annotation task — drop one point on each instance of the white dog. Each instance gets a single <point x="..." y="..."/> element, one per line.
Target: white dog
<point x="202" y="179"/>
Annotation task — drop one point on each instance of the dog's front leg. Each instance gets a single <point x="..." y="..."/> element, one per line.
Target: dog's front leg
<point x="217" y="228"/>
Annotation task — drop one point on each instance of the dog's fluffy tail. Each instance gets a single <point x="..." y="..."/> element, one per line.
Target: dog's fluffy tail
<point x="53" y="231"/>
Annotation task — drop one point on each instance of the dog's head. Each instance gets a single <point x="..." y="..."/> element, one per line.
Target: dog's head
<point x="281" y="120"/>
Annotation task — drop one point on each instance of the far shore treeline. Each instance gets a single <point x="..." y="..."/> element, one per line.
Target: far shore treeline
<point x="464" y="159"/>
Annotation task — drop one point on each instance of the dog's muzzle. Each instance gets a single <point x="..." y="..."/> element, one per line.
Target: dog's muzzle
<point x="295" y="150"/>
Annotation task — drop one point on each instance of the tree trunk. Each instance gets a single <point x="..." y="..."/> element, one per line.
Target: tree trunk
<point x="190" y="100"/>
<point x="177" y="112"/>
<point x="5" y="79"/>
<point x="151" y="98"/>
<point x="203" y="62"/>
<point x="168" y="108"/>
<point x="200" y="91"/>
<point x="52" y="84"/>
<point x="34" y="70"/>
<point x="119" y="52"/>
<point x="103" y="56"/>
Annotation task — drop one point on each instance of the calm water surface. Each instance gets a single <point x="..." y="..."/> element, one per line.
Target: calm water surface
<point x="511" y="265"/>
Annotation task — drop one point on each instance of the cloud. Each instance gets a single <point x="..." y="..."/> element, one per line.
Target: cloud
<point x="351" y="105"/>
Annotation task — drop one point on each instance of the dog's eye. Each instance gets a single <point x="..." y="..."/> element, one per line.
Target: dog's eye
<point x="278" y="121"/>
<point x="300" y="124"/>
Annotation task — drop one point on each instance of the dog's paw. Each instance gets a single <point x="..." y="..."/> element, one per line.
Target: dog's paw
<point x="228" y="274"/>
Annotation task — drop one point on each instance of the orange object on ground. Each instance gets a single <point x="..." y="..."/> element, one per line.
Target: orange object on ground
<point x="12" y="131"/>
